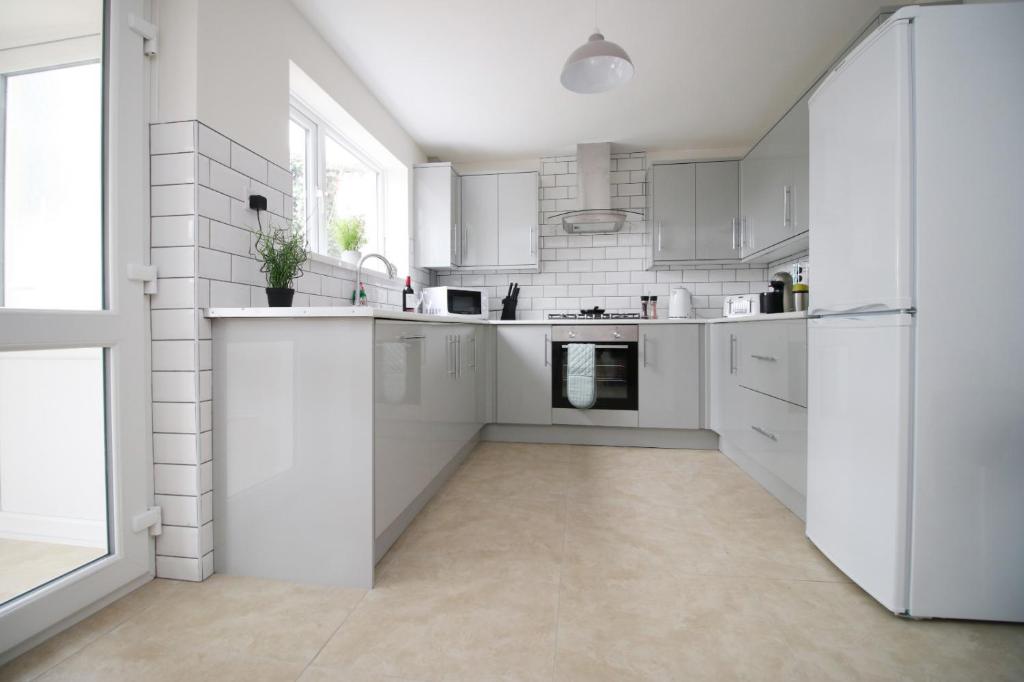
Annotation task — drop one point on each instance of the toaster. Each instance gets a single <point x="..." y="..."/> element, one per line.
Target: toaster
<point x="740" y="305"/>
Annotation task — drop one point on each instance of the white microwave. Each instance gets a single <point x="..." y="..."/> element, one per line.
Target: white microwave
<point x="456" y="301"/>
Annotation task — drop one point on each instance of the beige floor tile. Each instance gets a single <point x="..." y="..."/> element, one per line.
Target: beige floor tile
<point x="525" y="475"/>
<point x="25" y="565"/>
<point x="245" y="616"/>
<point x="315" y="673"/>
<point x="116" y="658"/>
<point x="838" y="632"/>
<point x="482" y="629"/>
<point x="464" y="538"/>
<point x="661" y="628"/>
<point x="38" y="660"/>
<point x="619" y="539"/>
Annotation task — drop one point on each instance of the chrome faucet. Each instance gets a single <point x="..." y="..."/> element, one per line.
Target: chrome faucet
<point x="392" y="272"/>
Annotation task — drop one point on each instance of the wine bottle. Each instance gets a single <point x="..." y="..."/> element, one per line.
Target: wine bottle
<point x="408" y="302"/>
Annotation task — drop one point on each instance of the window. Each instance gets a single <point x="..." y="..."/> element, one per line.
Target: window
<point x="337" y="188"/>
<point x="51" y="218"/>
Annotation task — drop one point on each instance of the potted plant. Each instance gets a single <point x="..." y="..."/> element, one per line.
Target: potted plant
<point x="283" y="252"/>
<point x="349" y="234"/>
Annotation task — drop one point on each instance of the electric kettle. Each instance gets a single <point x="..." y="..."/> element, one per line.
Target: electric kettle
<point x="679" y="302"/>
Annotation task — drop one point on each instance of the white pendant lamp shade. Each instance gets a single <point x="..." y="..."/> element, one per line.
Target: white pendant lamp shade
<point x="596" y="66"/>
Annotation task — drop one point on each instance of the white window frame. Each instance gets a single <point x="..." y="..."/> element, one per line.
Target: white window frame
<point x="316" y="178"/>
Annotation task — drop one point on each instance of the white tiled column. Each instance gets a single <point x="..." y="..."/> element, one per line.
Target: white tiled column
<point x="181" y="361"/>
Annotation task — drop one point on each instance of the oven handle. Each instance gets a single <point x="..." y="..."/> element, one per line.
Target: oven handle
<point x="602" y="346"/>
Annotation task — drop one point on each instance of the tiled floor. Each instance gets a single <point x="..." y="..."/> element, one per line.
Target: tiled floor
<point x="25" y="565"/>
<point x="548" y="563"/>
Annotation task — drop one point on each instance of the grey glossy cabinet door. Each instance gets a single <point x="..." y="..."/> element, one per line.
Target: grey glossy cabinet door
<point x="518" y="215"/>
<point x="673" y="212"/>
<point x="479" y="232"/>
<point x="524" y="374"/>
<point x="717" y="213"/>
<point x="436" y="219"/>
<point x="723" y="378"/>
<point x="669" y="379"/>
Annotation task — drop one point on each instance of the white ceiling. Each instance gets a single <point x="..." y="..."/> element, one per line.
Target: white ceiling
<point x="27" y="22"/>
<point x="478" y="79"/>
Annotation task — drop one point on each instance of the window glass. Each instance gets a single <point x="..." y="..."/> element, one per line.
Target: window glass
<point x="52" y="220"/>
<point x="298" y="146"/>
<point x="350" y="198"/>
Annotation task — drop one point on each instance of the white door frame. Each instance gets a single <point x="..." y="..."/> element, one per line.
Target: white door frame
<point x="124" y="330"/>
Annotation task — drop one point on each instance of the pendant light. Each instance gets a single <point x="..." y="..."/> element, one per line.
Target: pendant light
<point x="597" y="65"/>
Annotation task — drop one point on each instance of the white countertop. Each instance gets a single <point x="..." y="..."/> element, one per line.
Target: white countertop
<point x="384" y="314"/>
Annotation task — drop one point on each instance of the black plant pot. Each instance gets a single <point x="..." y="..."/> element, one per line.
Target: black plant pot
<point x="280" y="298"/>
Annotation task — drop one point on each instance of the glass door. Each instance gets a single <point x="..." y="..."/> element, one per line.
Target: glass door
<point x="75" y="462"/>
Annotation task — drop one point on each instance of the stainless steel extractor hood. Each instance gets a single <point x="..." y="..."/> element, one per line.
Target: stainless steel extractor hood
<point x="593" y="178"/>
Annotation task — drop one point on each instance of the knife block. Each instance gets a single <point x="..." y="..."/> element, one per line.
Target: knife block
<point x="508" y="308"/>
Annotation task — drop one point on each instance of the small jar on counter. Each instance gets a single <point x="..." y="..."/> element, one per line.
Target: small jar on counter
<point x="644" y="304"/>
<point x="652" y="307"/>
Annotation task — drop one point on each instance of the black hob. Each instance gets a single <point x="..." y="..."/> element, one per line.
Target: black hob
<point x="593" y="316"/>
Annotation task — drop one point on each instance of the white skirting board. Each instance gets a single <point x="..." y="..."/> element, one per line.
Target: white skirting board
<point x="782" y="491"/>
<point x="690" y="439"/>
<point x="54" y="529"/>
<point x="391" y="534"/>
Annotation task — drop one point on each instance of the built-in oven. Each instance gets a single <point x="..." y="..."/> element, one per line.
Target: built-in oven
<point x="615" y="374"/>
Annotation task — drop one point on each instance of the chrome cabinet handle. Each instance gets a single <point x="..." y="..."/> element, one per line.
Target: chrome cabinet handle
<point x="785" y="206"/>
<point x="645" y="350"/>
<point x="660" y="231"/>
<point x="732" y="353"/>
<point x="410" y="338"/>
<point x="743" y="231"/>
<point x="547" y="343"/>
<point x="465" y="241"/>
<point x="533" y="247"/>
<point x="735" y="224"/>
<point x="473" y="340"/>
<point x="449" y="351"/>
<point x="766" y="434"/>
<point x="766" y="358"/>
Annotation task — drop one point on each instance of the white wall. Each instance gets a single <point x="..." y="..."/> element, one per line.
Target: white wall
<point x="244" y="49"/>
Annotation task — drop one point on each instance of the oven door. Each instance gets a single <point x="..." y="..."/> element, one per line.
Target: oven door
<point x="615" y="375"/>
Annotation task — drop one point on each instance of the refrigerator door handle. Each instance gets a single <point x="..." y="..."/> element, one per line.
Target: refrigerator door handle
<point x="856" y="310"/>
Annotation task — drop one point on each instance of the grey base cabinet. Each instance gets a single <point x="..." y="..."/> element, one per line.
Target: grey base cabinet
<point x="669" y="380"/>
<point x="524" y="374"/>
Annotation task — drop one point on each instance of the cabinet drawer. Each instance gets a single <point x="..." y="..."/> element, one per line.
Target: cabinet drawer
<point x="775" y="436"/>
<point x="773" y="359"/>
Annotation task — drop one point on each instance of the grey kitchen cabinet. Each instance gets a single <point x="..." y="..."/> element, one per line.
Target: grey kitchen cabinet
<point x="757" y="380"/>
<point x="672" y="199"/>
<point x="479" y="232"/>
<point x="669" y="377"/>
<point x="437" y="224"/>
<point x="773" y="188"/>
<point x="524" y="374"/>
<point x="518" y="216"/>
<point x="716" y="229"/>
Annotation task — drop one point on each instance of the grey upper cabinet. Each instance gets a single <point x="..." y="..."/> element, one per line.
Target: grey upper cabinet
<point x="718" y="206"/>
<point x="673" y="198"/>
<point x="479" y="220"/>
<point x="500" y="213"/>
<point x="773" y="188"/>
<point x="437" y="219"/>
<point x="518" y="214"/>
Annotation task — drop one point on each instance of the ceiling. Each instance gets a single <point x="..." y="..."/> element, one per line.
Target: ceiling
<point x="478" y="79"/>
<point x="28" y="22"/>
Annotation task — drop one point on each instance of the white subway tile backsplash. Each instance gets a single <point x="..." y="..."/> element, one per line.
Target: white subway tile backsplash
<point x="175" y="448"/>
<point x="206" y="508"/>
<point x="174" y="261"/>
<point x="178" y="568"/>
<point x="214" y="145"/>
<point x="214" y="205"/>
<point x="248" y="163"/>
<point x="228" y="181"/>
<point x="173" y="356"/>
<point x="228" y="295"/>
<point x="169" y="200"/>
<point x="180" y="541"/>
<point x="173" y="324"/>
<point x="178" y="510"/>
<point x="175" y="479"/>
<point x="170" y="138"/>
<point x="175" y="418"/>
<point x="173" y="231"/>
<point x="174" y="387"/>
<point x="279" y="178"/>
<point x="214" y="264"/>
<point x="172" y="169"/>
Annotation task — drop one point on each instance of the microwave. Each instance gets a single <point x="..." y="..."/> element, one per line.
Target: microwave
<point x="455" y="301"/>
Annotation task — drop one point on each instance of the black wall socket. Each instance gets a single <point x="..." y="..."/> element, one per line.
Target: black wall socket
<point x="258" y="202"/>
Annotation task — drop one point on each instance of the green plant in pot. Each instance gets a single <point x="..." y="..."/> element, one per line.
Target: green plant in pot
<point x="348" y="234"/>
<point x="282" y="252"/>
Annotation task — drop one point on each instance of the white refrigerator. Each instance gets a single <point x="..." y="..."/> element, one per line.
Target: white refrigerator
<point x="915" y="465"/>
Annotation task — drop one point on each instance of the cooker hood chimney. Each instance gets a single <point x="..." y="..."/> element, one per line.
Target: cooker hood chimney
<point x="593" y="179"/>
